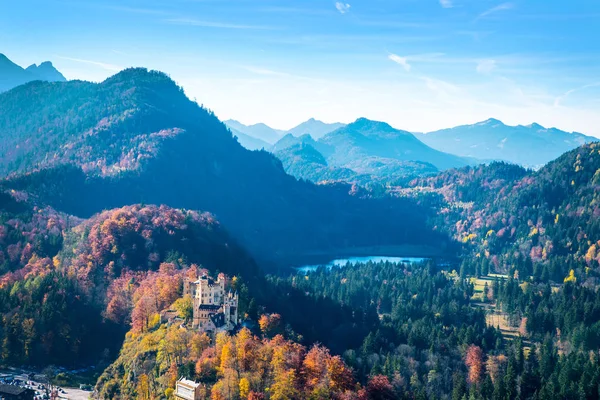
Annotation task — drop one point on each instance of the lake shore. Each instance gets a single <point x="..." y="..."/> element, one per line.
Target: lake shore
<point x="324" y="257"/>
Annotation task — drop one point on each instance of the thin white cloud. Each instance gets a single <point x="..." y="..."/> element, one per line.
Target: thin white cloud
<point x="108" y="67"/>
<point x="211" y="24"/>
<point x="559" y="99"/>
<point x="446" y="3"/>
<point x="485" y="66"/>
<point x="403" y="61"/>
<point x="493" y="10"/>
<point x="343" y="8"/>
<point x="264" y="71"/>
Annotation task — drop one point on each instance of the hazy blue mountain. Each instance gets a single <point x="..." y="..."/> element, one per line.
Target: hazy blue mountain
<point x="303" y="161"/>
<point x="46" y="72"/>
<point x="12" y="75"/>
<point x="290" y="140"/>
<point x="249" y="142"/>
<point x="365" y="138"/>
<point x="372" y="151"/>
<point x="531" y="145"/>
<point x="258" y="131"/>
<point x="315" y="128"/>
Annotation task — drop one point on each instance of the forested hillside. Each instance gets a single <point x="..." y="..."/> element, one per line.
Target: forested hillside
<point x="66" y="301"/>
<point x="135" y="138"/>
<point x="71" y="288"/>
<point x="435" y="341"/>
<point x="542" y="223"/>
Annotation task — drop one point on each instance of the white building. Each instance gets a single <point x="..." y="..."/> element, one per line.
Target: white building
<point x="187" y="390"/>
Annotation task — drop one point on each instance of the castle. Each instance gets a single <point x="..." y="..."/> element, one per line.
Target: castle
<point x="214" y="308"/>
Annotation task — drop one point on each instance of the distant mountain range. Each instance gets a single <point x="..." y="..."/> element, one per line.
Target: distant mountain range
<point x="250" y="142"/>
<point x="362" y="151"/>
<point x="13" y="75"/>
<point x="531" y="145"/>
<point x="364" y="138"/>
<point x="265" y="133"/>
<point x="485" y="141"/>
<point x="257" y="131"/>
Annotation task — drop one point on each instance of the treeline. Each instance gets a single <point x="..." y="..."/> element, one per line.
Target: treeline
<point x="569" y="314"/>
<point x="426" y="322"/>
<point x="434" y="343"/>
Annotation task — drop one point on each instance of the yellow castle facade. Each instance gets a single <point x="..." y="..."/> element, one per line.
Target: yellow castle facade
<point x="215" y="307"/>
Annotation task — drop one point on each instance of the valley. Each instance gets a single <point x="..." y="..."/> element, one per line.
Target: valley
<point x="446" y="275"/>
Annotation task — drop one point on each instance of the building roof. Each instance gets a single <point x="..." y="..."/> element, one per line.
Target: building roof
<point x="218" y="319"/>
<point x="209" y="307"/>
<point x="188" y="382"/>
<point x="169" y="314"/>
<point x="12" y="389"/>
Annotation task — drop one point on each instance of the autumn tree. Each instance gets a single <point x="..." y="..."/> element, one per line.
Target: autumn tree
<point x="474" y="361"/>
<point x="380" y="388"/>
<point x="270" y="324"/>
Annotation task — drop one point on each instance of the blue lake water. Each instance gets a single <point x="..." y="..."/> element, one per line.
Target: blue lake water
<point x="355" y="260"/>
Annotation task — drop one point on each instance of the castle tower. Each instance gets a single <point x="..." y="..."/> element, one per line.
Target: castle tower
<point x="213" y="308"/>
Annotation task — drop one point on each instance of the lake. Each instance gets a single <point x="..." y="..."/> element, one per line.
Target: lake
<point x="355" y="260"/>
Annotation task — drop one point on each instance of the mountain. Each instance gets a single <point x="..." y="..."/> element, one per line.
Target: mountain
<point x="365" y="138"/>
<point x="249" y="142"/>
<point x="257" y="131"/>
<point x="493" y="140"/>
<point x="82" y="147"/>
<point x="46" y="72"/>
<point x="304" y="140"/>
<point x="12" y="75"/>
<point x="316" y="129"/>
<point x="305" y="162"/>
<point x="362" y="152"/>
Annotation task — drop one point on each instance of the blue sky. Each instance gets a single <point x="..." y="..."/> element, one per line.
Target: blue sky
<point x="418" y="64"/>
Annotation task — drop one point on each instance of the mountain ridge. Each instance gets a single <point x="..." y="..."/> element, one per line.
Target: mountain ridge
<point x="153" y="145"/>
<point x="13" y="75"/>
<point x="315" y="128"/>
<point x="493" y="140"/>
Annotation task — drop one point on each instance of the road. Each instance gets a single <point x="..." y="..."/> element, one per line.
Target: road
<point x="70" y="393"/>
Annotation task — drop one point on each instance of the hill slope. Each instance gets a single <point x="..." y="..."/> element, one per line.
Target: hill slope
<point x="493" y="140"/>
<point x="541" y="224"/>
<point x="136" y="138"/>
<point x="12" y="75"/>
<point x="66" y="301"/>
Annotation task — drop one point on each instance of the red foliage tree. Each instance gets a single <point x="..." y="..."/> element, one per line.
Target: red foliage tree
<point x="474" y="361"/>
